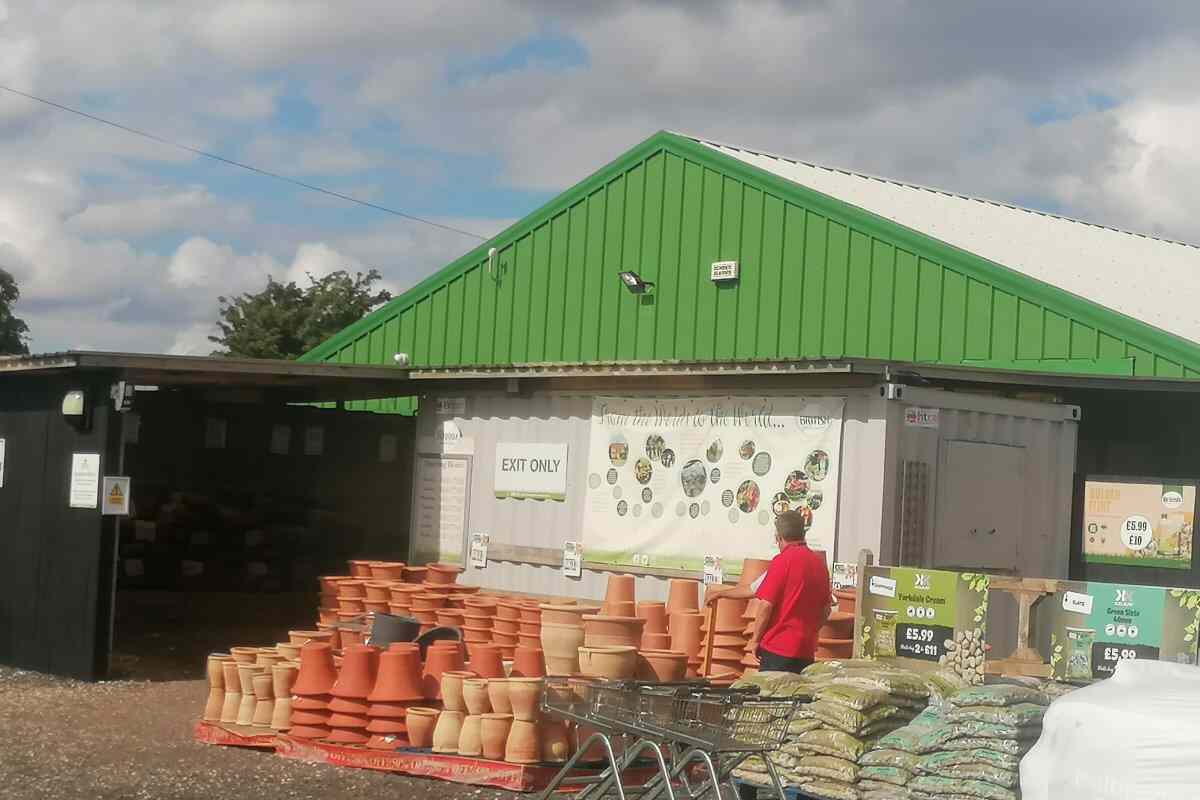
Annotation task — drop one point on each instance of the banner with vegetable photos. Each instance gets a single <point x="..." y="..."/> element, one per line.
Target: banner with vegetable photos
<point x="925" y="618"/>
<point x="1091" y="626"/>
<point x="673" y="479"/>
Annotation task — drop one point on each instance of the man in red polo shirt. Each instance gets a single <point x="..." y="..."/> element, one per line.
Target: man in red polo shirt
<point x="796" y="598"/>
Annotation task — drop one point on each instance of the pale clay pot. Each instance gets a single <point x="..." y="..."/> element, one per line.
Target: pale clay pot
<point x="233" y="692"/>
<point x="446" y="732"/>
<point x="264" y="700"/>
<point x="498" y="696"/>
<point x="525" y="695"/>
<point x="475" y="696"/>
<point x="246" y="673"/>
<point x="524" y="743"/>
<point x="494" y="734"/>
<point x="470" y="741"/>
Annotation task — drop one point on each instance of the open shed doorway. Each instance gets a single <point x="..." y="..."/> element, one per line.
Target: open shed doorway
<point x="238" y="504"/>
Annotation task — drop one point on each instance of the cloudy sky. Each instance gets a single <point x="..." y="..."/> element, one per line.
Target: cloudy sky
<point x="475" y="113"/>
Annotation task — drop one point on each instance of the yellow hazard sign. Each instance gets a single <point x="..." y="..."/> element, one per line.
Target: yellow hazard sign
<point x="116" y="496"/>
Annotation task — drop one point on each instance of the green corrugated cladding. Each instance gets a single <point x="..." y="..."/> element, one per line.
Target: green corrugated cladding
<point x="819" y="279"/>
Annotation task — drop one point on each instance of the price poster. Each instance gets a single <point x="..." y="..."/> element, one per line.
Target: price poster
<point x="1092" y="626"/>
<point x="1138" y="522"/>
<point x="927" y="618"/>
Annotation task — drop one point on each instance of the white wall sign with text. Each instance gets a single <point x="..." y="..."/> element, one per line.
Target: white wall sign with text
<point x="2" y="447"/>
<point x="441" y="495"/>
<point x="85" y="480"/>
<point x="447" y="439"/>
<point x="531" y="471"/>
<point x="916" y="417"/>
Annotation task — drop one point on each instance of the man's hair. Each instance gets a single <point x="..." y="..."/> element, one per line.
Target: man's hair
<point x="791" y="526"/>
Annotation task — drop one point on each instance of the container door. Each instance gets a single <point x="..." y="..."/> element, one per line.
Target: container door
<point x="979" y="499"/>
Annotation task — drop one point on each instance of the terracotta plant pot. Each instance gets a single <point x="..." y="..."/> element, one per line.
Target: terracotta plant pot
<point x="562" y="614"/>
<point x="682" y="596"/>
<point x="486" y="662"/>
<point x="304" y="637"/>
<point x="494" y="734"/>
<point x="555" y="744"/>
<point x="378" y="590"/>
<point x="655" y="615"/>
<point x="524" y="745"/>
<point x="442" y="574"/>
<point x="509" y="639"/>
<point x="531" y="611"/>
<point x="446" y="732"/>
<point x="353" y="721"/>
<point x="619" y="608"/>
<point x="833" y="649"/>
<point x="386" y="725"/>
<point x="327" y="614"/>
<point x="283" y="677"/>
<point x="452" y="686"/>
<point x="438" y="660"/>
<point x="396" y="711"/>
<point x="387" y="570"/>
<point x="727" y="640"/>
<point x="608" y="662"/>
<point x="420" y="722"/>
<point x="498" y="696"/>
<point x="246" y="674"/>
<point x="357" y="677"/>
<point x="847" y="600"/>
<point x="348" y="736"/>
<point x="729" y="614"/>
<point x="526" y="640"/>
<point x="317" y="672"/>
<point x="663" y="666"/>
<point x="450" y="617"/>
<point x="475" y="696"/>
<point x="480" y="603"/>
<point x="560" y="646"/>
<point x="398" y="679"/>
<point x="470" y="740"/>
<point x="655" y="641"/>
<point x="233" y="691"/>
<point x="506" y="626"/>
<point x="354" y="587"/>
<point x="414" y="574"/>
<point x="310" y="718"/>
<point x="530" y="628"/>
<point x="377" y="606"/>
<point x="244" y="655"/>
<point x="601" y="631"/>
<point x="620" y="589"/>
<point x="507" y="609"/>
<point x="340" y="705"/>
<point x="525" y="697"/>
<point x="427" y="602"/>
<point x="360" y="568"/>
<point x="686" y="635"/>
<point x="752" y="570"/>
<point x="528" y="663"/>
<point x="839" y="626"/>
<point x="476" y="635"/>
<point x="354" y="604"/>
<point x="216" y="686"/>
<point x="309" y="731"/>
<point x="290" y="652"/>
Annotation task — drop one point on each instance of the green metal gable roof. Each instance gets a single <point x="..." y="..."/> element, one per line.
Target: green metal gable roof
<point x="819" y="279"/>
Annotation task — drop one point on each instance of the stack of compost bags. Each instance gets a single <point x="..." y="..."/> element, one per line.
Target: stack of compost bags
<point x="967" y="749"/>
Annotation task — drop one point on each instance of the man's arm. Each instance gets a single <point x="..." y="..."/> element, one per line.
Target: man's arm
<point x="762" y="621"/>
<point x="730" y="593"/>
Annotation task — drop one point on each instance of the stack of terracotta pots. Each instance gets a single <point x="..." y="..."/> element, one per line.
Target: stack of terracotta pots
<point x="684" y="621"/>
<point x="750" y="659"/>
<point x="283" y="678"/>
<point x="506" y="627"/>
<point x="725" y="640"/>
<point x="477" y="703"/>
<point x="617" y="624"/>
<point x="311" y="692"/>
<point x="398" y="688"/>
<point x="655" y="634"/>
<point x="348" y="717"/>
<point x="524" y="742"/>
<point x="478" y="616"/>
<point x="360" y="568"/>
<point x="448" y="729"/>
<point x="528" y="662"/>
<point x="608" y="662"/>
<point x="441" y="574"/>
<point x="835" y="640"/>
<point x="216" y="686"/>
<point x="387" y="570"/>
<point x="529" y="631"/>
<point x="233" y="692"/>
<point x="330" y="589"/>
<point x="424" y="609"/>
<point x="401" y="594"/>
<point x="487" y="660"/>
<point x="563" y="635"/>
<point x="378" y="596"/>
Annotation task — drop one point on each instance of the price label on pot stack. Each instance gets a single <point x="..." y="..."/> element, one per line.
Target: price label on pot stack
<point x="479" y="549"/>
<point x="572" y="562"/>
<point x="713" y="573"/>
<point x="1135" y="532"/>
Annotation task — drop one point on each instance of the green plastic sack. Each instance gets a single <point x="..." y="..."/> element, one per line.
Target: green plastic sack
<point x="828" y="767"/>
<point x="934" y="763"/>
<point x="846" y="719"/>
<point x="944" y="684"/>
<point x="801" y="725"/>
<point x="826" y="742"/>
<point x="829" y="790"/>
<point x="877" y="790"/>
<point x="829" y="668"/>
<point x="1019" y="715"/>
<point x="999" y="695"/>
<point x="891" y="758"/>
<point x="935" y="785"/>
<point x="925" y="734"/>
<point x="979" y="771"/>
<point x="895" y="682"/>
<point x="893" y="775"/>
<point x="988" y="730"/>
<point x="852" y="696"/>
<point x="1013" y="747"/>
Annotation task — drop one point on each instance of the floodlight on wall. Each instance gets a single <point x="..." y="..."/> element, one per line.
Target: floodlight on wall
<point x="634" y="283"/>
<point x="401" y="359"/>
<point x="74" y="404"/>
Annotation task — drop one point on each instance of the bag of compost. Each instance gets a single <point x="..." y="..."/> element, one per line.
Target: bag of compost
<point x="896" y="683"/>
<point x="826" y="742"/>
<point x="999" y="695"/>
<point x="877" y="790"/>
<point x="801" y="725"/>
<point x="828" y="767"/>
<point x="893" y="775"/>
<point x="935" y="763"/>
<point x="988" y="730"/>
<point x="852" y="696"/>
<point x="891" y="758"/>
<point x="937" y="786"/>
<point x="844" y="718"/>
<point x="1011" y="747"/>
<point x="829" y="790"/>
<point x="1018" y="716"/>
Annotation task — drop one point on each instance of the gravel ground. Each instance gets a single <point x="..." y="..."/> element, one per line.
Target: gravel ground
<point x="127" y="739"/>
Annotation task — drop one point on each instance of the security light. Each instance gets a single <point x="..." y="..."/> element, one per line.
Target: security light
<point x="73" y="404"/>
<point x="634" y="283"/>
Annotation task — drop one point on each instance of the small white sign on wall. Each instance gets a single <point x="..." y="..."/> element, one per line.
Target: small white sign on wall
<point x="85" y="480"/>
<point x="916" y="417"/>
<point x="531" y="471"/>
<point x="451" y="406"/>
<point x="2" y="444"/>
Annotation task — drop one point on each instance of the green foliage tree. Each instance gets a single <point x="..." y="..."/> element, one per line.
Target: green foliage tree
<point x="285" y="321"/>
<point x="14" y="333"/>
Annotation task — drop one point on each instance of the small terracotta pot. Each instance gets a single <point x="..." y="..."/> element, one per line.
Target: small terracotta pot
<point x="839" y="626"/>
<point x="355" y="721"/>
<point x="309" y="731"/>
<point x="244" y="655"/>
<point x="360" y="568"/>
<point x="475" y="696"/>
<point x="387" y="570"/>
<point x="357" y="677"/>
<point x="663" y="666"/>
<point x="283" y="676"/>
<point x="450" y="617"/>
<point x="395" y="711"/>
<point x="304" y="637"/>
<point x="530" y="614"/>
<point x="386" y="726"/>
<point x="437" y="661"/>
<point x="452" y="686"/>
<point x="378" y="590"/>
<point x="525" y="640"/>
<point x="233" y="691"/>
<point x="479" y="635"/>
<point x="555" y="744"/>
<point x="507" y="626"/>
<point x="610" y="663"/>
<point x="729" y="613"/>
<point x="562" y="614"/>
<point x="354" y="587"/>
<point x="446" y="732"/>
<point x="601" y="631"/>
<point x="621" y="589"/>
<point x="498" y="696"/>
<point x="619" y="608"/>
<point x="216" y="686"/>
<point x="398" y="679"/>
<point x="508" y="610"/>
<point x="528" y="663"/>
<point x="290" y="652"/>
<point x="328" y="614"/>
<point x="686" y="635"/>
<point x="847" y="600"/>
<point x="442" y="574"/>
<point x="655" y="615"/>
<point x="246" y="675"/>
<point x="310" y="718"/>
<point x="752" y="570"/>
<point x="340" y="705"/>
<point x="317" y="672"/>
<point x="682" y="596"/>
<point x="832" y="649"/>
<point x="377" y="606"/>
<point x="420" y="722"/>
<point x="480" y="602"/>
<point x="427" y="602"/>
<point x="318" y="702"/>
<point x="530" y="628"/>
<point x="560" y="647"/>
<point x="655" y="641"/>
<point x="354" y="604"/>
<point x="509" y="639"/>
<point x="525" y="697"/>
<point x="414" y="574"/>
<point x="494" y="734"/>
<point x="486" y="661"/>
<point x="470" y="742"/>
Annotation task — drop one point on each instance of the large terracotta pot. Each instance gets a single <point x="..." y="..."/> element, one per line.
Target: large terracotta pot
<point x="309" y="731"/>
<point x="556" y="744"/>
<point x="442" y="574"/>
<point x="475" y="696"/>
<point x="682" y="596"/>
<point x="289" y="651"/>
<point x="244" y="655"/>
<point x="729" y="614"/>
<point x="565" y="614"/>
<point x="611" y="663"/>
<point x="752" y="570"/>
<point x="414" y="574"/>
<point x="264" y="700"/>
<point x="525" y="697"/>
<point x="310" y="718"/>
<point x="216" y="686"/>
<point x="360" y="568"/>
<point x="847" y="600"/>
<point x="486" y="661"/>
<point x="233" y="691"/>
<point x="833" y="649"/>
<point x="439" y="659"/>
<point x="531" y="611"/>
<point x="619" y="608"/>
<point x="508" y="610"/>
<point x="348" y="736"/>
<point x="509" y="639"/>
<point x="246" y="673"/>
<point x="476" y="635"/>
<point x="512" y="626"/>
<point x="304" y="637"/>
<point x="470" y="740"/>
<point x="398" y="679"/>
<point x="601" y="631"/>
<point x="446" y="732"/>
<point x="560" y="644"/>
<point x="379" y="591"/>
<point x="419" y="723"/>
<point x="655" y="615"/>
<point x="425" y="601"/>
<point x="395" y="711"/>
<point x="354" y="604"/>
<point x="357" y="676"/>
<point x="528" y="663"/>
<point x="452" y="689"/>
<point x="494" y="733"/>
<point x="342" y="705"/>
<point x="839" y="626"/>
<point x="498" y="696"/>
<point x="664" y="666"/>
<point x="387" y="570"/>
<point x="686" y="635"/>
<point x="529" y="639"/>
<point x="317" y="702"/>
<point x="283" y="677"/>
<point x="524" y="745"/>
<point x="621" y="589"/>
<point x="386" y="725"/>
<point x="655" y="641"/>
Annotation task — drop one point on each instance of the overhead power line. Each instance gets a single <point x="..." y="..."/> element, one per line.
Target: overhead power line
<point x="250" y="168"/>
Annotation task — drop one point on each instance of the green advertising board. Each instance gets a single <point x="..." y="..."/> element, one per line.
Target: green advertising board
<point x="927" y="618"/>
<point x="1091" y="626"/>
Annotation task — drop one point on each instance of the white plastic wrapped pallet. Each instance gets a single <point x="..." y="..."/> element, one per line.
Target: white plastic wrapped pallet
<point x="1135" y="736"/>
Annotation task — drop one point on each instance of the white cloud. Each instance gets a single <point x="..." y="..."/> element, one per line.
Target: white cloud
<point x="161" y="209"/>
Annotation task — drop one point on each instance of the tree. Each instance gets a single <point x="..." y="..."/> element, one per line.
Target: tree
<point x="285" y="321"/>
<point x="14" y="333"/>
